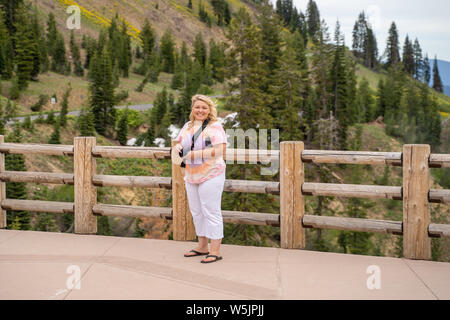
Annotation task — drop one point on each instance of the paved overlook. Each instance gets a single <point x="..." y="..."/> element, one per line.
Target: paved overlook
<point x="39" y="265"/>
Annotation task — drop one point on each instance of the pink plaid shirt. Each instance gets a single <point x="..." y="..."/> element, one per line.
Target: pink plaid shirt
<point x="200" y="170"/>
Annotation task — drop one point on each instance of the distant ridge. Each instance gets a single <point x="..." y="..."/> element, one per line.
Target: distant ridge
<point x="444" y="72"/>
<point x="447" y="90"/>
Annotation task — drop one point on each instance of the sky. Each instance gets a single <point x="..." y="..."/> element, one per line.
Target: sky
<point x="429" y="21"/>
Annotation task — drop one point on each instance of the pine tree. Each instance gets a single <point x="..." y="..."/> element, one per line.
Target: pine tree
<point x="16" y="190"/>
<point x="426" y="70"/>
<point x="340" y="95"/>
<point x="360" y="35"/>
<point x="101" y="91"/>
<point x="6" y="50"/>
<point x="227" y="14"/>
<point x="217" y="60"/>
<point x="313" y="18"/>
<point x="10" y="9"/>
<point x="147" y="139"/>
<point x="246" y="69"/>
<point x="321" y="64"/>
<point x="55" y="138"/>
<point x="76" y="57"/>
<point x="364" y="41"/>
<point x="167" y="52"/>
<point x="59" y="61"/>
<point x="90" y="51"/>
<point x="154" y="69"/>
<point x="65" y="106"/>
<point x="148" y="39"/>
<point x="50" y="117"/>
<point x="218" y="9"/>
<point x="27" y="124"/>
<point x="177" y="79"/>
<point x="203" y="14"/>
<point x="164" y="127"/>
<point x="392" y="50"/>
<point x="159" y="106"/>
<point x="26" y="49"/>
<point x="3" y="119"/>
<point x="287" y="94"/>
<point x="52" y="34"/>
<point x="418" y="61"/>
<point x="125" y="56"/>
<point x="371" y="50"/>
<point x="40" y="62"/>
<point x="270" y="39"/>
<point x="122" y="130"/>
<point x="365" y="103"/>
<point x="86" y="123"/>
<point x="437" y="82"/>
<point x="408" y="57"/>
<point x="200" y="52"/>
<point x="46" y="222"/>
<point x="356" y="242"/>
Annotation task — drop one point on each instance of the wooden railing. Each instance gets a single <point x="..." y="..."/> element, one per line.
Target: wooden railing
<point x="415" y="192"/>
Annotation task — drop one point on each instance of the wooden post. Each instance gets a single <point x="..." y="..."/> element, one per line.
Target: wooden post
<point x="292" y="207"/>
<point x="85" y="191"/>
<point x="416" y="209"/>
<point x="2" y="188"/>
<point x="182" y="223"/>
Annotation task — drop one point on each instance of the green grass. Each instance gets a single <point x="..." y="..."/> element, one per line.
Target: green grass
<point x="371" y="76"/>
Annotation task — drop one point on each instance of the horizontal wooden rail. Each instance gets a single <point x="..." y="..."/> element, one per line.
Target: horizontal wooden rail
<point x="252" y="186"/>
<point x="38" y="206"/>
<point x="249" y="155"/>
<point x="131" y="152"/>
<point x="367" y="157"/>
<point x="352" y="224"/>
<point x="352" y="190"/>
<point x="439" y="230"/>
<point x="439" y="160"/>
<point x="36" y="177"/>
<point x="132" y="181"/>
<point x="352" y="157"/>
<point x="131" y="211"/>
<point x="30" y="148"/>
<point x="254" y="218"/>
<point x="439" y="196"/>
<point x="247" y="186"/>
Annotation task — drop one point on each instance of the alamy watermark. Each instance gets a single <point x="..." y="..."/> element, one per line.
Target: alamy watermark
<point x="74" y="21"/>
<point x="374" y="280"/>
<point x="256" y="153"/>
<point x="73" y="281"/>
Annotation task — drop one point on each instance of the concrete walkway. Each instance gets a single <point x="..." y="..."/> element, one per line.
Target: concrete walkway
<point x="45" y="265"/>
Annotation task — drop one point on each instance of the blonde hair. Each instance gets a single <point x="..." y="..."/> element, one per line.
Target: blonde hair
<point x="212" y="108"/>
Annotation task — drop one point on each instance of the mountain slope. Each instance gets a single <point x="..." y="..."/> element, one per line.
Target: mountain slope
<point x="172" y="14"/>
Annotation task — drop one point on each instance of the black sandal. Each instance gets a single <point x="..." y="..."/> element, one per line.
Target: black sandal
<point x="217" y="258"/>
<point x="197" y="253"/>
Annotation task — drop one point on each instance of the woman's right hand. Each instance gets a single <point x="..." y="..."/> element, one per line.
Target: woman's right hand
<point x="178" y="147"/>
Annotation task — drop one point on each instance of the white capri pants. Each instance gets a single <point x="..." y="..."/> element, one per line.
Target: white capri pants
<point x="205" y="200"/>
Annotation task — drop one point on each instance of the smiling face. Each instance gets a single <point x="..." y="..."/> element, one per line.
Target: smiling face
<point x="200" y="110"/>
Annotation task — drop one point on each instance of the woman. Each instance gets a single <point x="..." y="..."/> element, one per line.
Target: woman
<point x="204" y="175"/>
